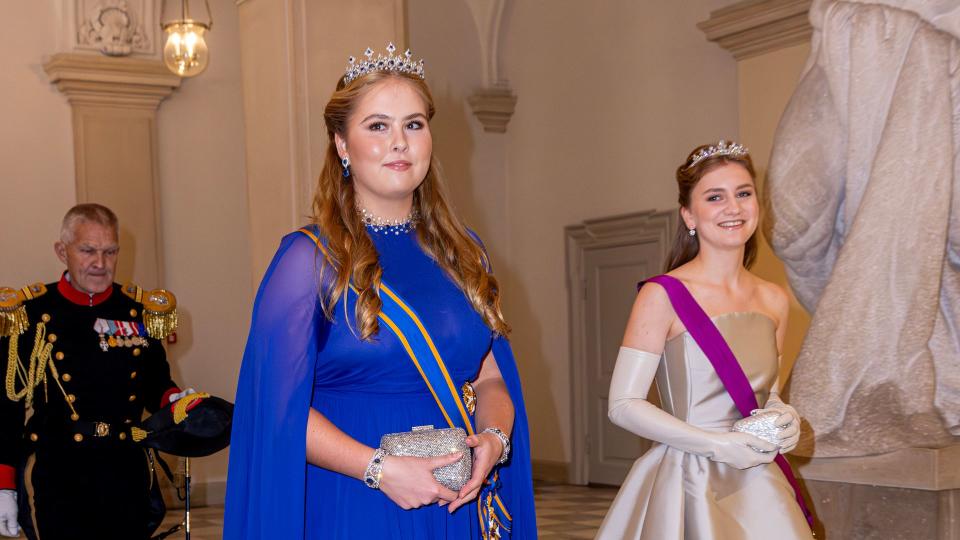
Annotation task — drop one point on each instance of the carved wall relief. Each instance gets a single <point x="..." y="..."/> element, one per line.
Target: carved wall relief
<point x="115" y="27"/>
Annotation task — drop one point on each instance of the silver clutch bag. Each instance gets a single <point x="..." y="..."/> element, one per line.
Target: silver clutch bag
<point x="424" y="441"/>
<point x="761" y="425"/>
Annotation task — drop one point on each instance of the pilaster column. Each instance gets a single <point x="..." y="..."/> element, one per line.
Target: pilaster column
<point x="493" y="104"/>
<point x="114" y="104"/>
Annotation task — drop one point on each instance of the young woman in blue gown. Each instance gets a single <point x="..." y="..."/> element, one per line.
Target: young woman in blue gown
<point x="323" y="378"/>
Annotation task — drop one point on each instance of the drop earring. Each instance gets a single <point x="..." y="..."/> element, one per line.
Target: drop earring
<point x="346" y="167"/>
<point x="692" y="232"/>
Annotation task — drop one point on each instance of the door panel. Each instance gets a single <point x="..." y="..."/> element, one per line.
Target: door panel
<point x="611" y="275"/>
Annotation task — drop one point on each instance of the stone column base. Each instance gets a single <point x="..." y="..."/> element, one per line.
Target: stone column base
<point x="910" y="494"/>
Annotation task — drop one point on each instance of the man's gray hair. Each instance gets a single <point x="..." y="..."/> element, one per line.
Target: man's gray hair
<point x="90" y="213"/>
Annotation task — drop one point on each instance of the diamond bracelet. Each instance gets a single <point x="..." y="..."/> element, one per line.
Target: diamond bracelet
<point x="374" y="472"/>
<point x="503" y="440"/>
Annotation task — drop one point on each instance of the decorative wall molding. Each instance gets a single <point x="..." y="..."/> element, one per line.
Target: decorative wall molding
<point x="131" y="82"/>
<point x="754" y="27"/>
<point x="494" y="102"/>
<point x="493" y="107"/>
<point x="113" y="27"/>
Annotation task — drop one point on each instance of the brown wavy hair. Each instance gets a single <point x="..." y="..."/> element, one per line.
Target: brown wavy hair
<point x="686" y="247"/>
<point x="440" y="233"/>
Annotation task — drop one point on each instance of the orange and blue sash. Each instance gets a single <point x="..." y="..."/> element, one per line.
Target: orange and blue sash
<point x="404" y="322"/>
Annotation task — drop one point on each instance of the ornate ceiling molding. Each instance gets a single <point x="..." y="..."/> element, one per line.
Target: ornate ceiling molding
<point x="754" y="27"/>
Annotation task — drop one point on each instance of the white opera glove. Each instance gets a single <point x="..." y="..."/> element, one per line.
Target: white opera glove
<point x="177" y="395"/>
<point x="629" y="409"/>
<point x="8" y="513"/>
<point x="788" y="420"/>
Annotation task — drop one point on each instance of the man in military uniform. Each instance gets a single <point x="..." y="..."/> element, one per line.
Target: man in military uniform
<point x="82" y="359"/>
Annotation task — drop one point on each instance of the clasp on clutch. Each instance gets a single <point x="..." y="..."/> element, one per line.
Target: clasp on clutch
<point x="421" y="428"/>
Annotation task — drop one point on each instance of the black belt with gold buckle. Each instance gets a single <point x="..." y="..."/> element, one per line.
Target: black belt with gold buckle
<point x="100" y="430"/>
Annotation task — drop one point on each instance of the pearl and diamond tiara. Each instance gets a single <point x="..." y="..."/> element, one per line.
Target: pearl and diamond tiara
<point x="722" y="148"/>
<point x="399" y="63"/>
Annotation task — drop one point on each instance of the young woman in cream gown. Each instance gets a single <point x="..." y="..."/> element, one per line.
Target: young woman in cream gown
<point x="701" y="480"/>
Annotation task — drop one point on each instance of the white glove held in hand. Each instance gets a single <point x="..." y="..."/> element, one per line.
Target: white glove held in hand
<point x="629" y="409"/>
<point x="174" y="397"/>
<point x="789" y="420"/>
<point x="8" y="513"/>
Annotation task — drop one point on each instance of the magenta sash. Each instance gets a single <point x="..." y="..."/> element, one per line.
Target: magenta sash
<point x="711" y="342"/>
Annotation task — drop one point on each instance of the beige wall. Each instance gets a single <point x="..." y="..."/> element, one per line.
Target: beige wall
<point x="36" y="147"/>
<point x="766" y="83"/>
<point x="205" y="228"/>
<point x="610" y="101"/>
<point x="474" y="161"/>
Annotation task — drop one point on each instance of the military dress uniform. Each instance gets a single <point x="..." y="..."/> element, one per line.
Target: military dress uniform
<point x="79" y="371"/>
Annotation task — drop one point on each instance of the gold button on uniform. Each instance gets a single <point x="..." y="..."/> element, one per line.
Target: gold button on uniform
<point x="59" y="356"/>
<point x="136" y="352"/>
<point x="66" y="377"/>
<point x="71" y="398"/>
<point x="34" y="437"/>
<point x="78" y="437"/>
<point x="132" y="398"/>
<point x="52" y="338"/>
<point x="133" y="313"/>
<point x="133" y="374"/>
<point x="74" y="417"/>
<point x="123" y="436"/>
<point x="45" y="317"/>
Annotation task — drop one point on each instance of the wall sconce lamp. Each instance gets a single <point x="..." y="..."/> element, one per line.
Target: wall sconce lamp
<point x="185" y="51"/>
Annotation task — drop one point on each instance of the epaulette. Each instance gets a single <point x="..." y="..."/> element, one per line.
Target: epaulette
<point x="159" y="309"/>
<point x="13" y="316"/>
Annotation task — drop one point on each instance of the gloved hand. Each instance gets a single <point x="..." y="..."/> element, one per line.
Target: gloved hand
<point x="8" y="513"/>
<point x="789" y="420"/>
<point x="175" y="396"/>
<point x="629" y="409"/>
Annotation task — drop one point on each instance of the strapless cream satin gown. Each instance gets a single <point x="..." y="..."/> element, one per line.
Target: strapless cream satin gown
<point x="670" y="494"/>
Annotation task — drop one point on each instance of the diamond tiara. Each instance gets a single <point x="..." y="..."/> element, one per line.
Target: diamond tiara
<point x="400" y="63"/>
<point x="723" y="148"/>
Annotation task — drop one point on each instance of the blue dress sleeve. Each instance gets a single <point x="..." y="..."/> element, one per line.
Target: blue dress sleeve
<point x="516" y="475"/>
<point x="266" y="476"/>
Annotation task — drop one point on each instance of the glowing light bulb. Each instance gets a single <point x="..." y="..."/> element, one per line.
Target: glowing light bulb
<point x="185" y="52"/>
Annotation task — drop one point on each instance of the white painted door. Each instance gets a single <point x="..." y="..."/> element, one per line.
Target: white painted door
<point x="610" y="277"/>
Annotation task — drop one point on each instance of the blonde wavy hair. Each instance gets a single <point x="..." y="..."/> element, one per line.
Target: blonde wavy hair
<point x="440" y="233"/>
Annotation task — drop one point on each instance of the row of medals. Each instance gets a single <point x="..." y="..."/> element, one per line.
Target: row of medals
<point x="108" y="342"/>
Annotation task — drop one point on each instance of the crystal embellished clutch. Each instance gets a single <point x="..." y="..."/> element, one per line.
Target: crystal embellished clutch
<point x="424" y="441"/>
<point x="760" y="424"/>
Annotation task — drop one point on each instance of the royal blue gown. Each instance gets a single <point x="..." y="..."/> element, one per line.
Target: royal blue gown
<point x="296" y="358"/>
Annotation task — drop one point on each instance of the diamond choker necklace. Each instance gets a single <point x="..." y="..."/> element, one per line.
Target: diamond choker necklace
<point x="395" y="226"/>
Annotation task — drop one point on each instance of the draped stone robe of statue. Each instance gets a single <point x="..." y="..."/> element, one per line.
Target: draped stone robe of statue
<point x="864" y="193"/>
